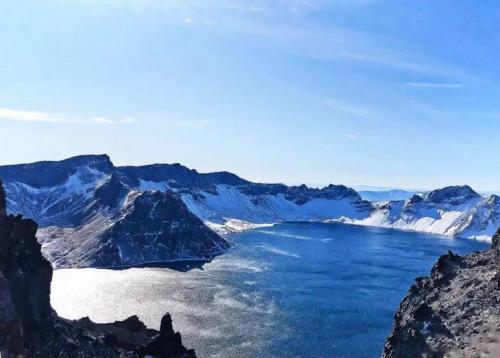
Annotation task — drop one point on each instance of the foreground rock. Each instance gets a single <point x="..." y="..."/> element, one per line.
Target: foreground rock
<point x="30" y="328"/>
<point x="453" y="313"/>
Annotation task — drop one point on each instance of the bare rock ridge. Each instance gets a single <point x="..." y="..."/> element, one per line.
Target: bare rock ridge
<point x="455" y="312"/>
<point x="30" y="328"/>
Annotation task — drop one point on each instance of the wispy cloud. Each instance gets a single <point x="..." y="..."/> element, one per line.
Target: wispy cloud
<point x="436" y="85"/>
<point x="351" y="109"/>
<point x="242" y="6"/>
<point x="102" y="120"/>
<point x="29" y="116"/>
<point x="352" y="136"/>
<point x="270" y="21"/>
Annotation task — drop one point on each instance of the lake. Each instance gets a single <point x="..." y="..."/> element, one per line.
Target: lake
<point x="291" y="290"/>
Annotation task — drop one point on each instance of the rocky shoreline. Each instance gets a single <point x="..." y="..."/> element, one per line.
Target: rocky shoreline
<point x="455" y="312"/>
<point x="29" y="327"/>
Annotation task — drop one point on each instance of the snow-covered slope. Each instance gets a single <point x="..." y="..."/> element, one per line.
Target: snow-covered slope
<point x="91" y="215"/>
<point x="456" y="211"/>
<point x="248" y="203"/>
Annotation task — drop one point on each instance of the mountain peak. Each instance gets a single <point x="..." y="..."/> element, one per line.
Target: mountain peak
<point x="50" y="173"/>
<point x="453" y="194"/>
<point x="89" y="159"/>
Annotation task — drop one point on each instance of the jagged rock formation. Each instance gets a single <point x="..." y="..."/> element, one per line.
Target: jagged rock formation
<point x="453" y="313"/>
<point x="456" y="211"/>
<point x="30" y="328"/>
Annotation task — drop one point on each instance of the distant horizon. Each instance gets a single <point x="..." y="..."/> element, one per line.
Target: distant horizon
<point x="357" y="187"/>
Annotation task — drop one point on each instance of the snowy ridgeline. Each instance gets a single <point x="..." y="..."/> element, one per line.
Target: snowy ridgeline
<point x="452" y="211"/>
<point x="93" y="213"/>
<point x="455" y="211"/>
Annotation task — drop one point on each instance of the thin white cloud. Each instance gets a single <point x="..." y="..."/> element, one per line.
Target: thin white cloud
<point x="264" y="19"/>
<point x="102" y="120"/>
<point x="243" y="6"/>
<point x="433" y="85"/>
<point x="30" y="116"/>
<point x="351" y="109"/>
<point x="352" y="136"/>
<point x="16" y="115"/>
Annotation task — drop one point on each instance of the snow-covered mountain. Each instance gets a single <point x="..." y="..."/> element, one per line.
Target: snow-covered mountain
<point x="92" y="213"/>
<point x="456" y="211"/>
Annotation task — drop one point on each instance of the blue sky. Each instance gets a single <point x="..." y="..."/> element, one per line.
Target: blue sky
<point x="360" y="92"/>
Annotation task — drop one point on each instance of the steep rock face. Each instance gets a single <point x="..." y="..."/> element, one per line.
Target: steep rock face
<point x="453" y="313"/>
<point x="28" y="273"/>
<point x="30" y="328"/>
<point x="3" y="204"/>
<point x="173" y="231"/>
<point x="11" y="333"/>
<point x="456" y="211"/>
<point x="151" y="227"/>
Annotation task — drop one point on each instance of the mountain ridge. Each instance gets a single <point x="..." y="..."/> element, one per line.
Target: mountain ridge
<point x="456" y="211"/>
<point x="81" y="202"/>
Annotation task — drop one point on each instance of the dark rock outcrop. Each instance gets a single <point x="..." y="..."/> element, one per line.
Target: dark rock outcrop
<point x="453" y="313"/>
<point x="3" y="204"/>
<point x="30" y="328"/>
<point x="167" y="344"/>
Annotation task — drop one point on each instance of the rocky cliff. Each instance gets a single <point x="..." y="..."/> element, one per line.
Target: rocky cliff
<point x="455" y="312"/>
<point x="30" y="328"/>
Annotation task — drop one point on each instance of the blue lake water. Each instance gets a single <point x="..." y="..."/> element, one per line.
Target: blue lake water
<point x="291" y="290"/>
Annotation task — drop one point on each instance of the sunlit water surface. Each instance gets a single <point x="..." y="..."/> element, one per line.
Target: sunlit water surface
<point x="292" y="290"/>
